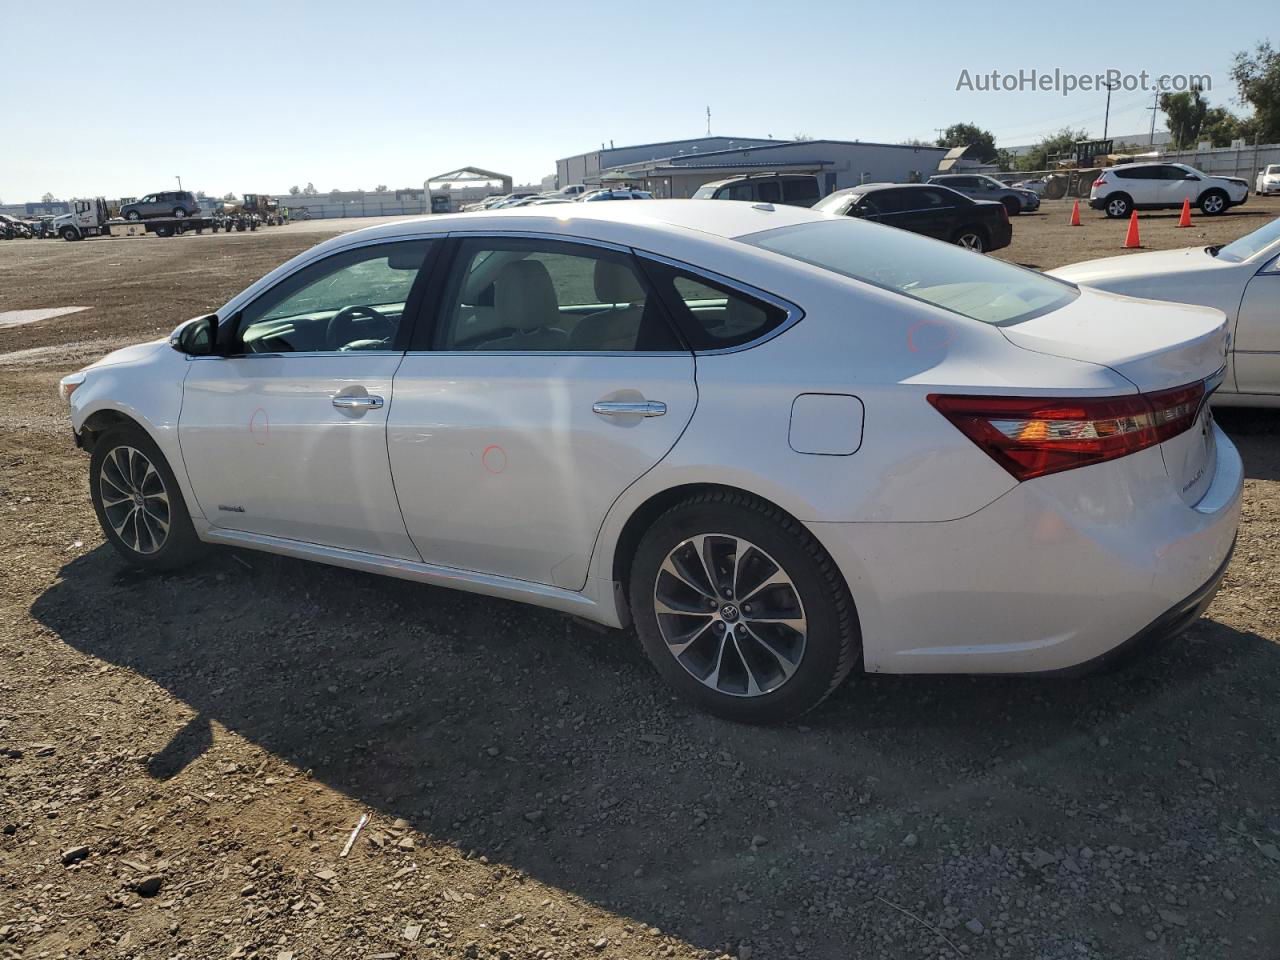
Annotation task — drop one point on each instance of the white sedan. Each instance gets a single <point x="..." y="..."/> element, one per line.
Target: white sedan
<point x="782" y="444"/>
<point x="1242" y="279"/>
<point x="1268" y="180"/>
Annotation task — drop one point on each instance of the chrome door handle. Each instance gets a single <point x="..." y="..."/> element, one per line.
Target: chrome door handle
<point x="629" y="408"/>
<point x="357" y="403"/>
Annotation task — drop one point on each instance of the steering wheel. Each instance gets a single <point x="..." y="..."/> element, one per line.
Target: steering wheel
<point x="342" y="325"/>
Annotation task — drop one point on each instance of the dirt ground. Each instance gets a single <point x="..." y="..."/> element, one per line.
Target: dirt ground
<point x="183" y="758"/>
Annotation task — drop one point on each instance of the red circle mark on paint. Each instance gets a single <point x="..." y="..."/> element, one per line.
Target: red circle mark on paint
<point x="260" y="427"/>
<point x="928" y="335"/>
<point x="494" y="458"/>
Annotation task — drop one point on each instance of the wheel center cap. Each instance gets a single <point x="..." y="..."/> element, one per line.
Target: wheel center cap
<point x="138" y="501"/>
<point x="729" y="612"/>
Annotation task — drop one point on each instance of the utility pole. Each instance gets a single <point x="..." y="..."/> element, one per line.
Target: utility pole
<point x="1155" y="105"/>
<point x="179" y="182"/>
<point x="708" y="120"/>
<point x="1106" y="117"/>
<point x="940" y="131"/>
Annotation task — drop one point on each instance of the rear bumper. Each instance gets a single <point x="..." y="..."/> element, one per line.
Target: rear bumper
<point x="1052" y="576"/>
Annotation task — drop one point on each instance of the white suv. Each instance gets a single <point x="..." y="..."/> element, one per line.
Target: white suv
<point x="1150" y="186"/>
<point x="1268" y="181"/>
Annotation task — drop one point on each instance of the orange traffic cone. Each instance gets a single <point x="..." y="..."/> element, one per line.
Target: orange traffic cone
<point x="1185" y="219"/>
<point x="1075" y="214"/>
<point x="1131" y="239"/>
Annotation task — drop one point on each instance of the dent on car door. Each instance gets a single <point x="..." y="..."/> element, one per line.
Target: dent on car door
<point x="284" y="435"/>
<point x="1256" y="347"/>
<point x="551" y="379"/>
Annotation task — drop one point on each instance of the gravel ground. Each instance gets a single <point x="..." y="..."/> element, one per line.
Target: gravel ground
<point x="183" y="758"/>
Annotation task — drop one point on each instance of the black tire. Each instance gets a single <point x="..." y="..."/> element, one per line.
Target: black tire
<point x="70" y="233"/>
<point x="164" y="231"/>
<point x="1118" y="205"/>
<point x="1013" y="205"/>
<point x="831" y="642"/>
<point x="1213" y="202"/>
<point x="180" y="546"/>
<point x="971" y="238"/>
<point x="133" y="215"/>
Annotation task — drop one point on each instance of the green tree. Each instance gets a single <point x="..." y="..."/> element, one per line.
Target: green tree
<point x="1184" y="113"/>
<point x="295" y="190"/>
<point x="1062" y="142"/>
<point x="380" y="188"/>
<point x="47" y="198"/>
<point x="970" y="135"/>
<point x="310" y="190"/>
<point x="1257" y="77"/>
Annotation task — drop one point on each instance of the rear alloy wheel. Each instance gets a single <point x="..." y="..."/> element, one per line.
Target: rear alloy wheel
<point x="1118" y="206"/>
<point x="971" y="239"/>
<point x="1213" y="203"/>
<point x="138" y="503"/>
<point x="133" y="215"/>
<point x="741" y="610"/>
<point x="179" y="212"/>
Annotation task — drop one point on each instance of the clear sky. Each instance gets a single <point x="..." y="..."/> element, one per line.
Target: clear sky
<point x="259" y="96"/>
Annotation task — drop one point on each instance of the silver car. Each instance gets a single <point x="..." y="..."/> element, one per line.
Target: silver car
<point x="1015" y="199"/>
<point x="171" y="203"/>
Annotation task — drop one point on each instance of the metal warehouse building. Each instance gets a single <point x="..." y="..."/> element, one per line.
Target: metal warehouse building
<point x="678" y="168"/>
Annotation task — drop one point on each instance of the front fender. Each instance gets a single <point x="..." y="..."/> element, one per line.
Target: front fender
<point x="144" y="384"/>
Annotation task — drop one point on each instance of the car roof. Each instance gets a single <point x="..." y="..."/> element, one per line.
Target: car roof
<point x="725" y="218"/>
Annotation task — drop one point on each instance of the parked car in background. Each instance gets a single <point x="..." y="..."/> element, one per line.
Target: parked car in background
<point x="1035" y="186"/>
<point x="543" y="201"/>
<point x="782" y="444"/>
<point x="573" y="191"/>
<point x="934" y="211"/>
<point x="171" y="203"/>
<point x="618" y="194"/>
<point x="1153" y="186"/>
<point x="1015" y="199"/>
<point x="512" y="199"/>
<point x="1268" y="181"/>
<point x="795" y="190"/>
<point x="1242" y="279"/>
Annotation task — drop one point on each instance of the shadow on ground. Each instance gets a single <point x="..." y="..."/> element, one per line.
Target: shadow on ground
<point x="398" y="695"/>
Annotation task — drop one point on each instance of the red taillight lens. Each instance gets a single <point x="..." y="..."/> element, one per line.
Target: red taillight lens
<point x="1100" y="182"/>
<point x="1034" y="436"/>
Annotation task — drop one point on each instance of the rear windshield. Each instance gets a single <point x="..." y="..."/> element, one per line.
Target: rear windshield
<point x="948" y="276"/>
<point x="1251" y="243"/>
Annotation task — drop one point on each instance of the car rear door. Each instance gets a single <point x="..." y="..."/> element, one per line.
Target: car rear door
<point x="285" y="437"/>
<point x="926" y="211"/>
<point x="550" y="380"/>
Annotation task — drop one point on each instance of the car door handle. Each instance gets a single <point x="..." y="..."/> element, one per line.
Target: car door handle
<point x="357" y="403"/>
<point x="629" y="408"/>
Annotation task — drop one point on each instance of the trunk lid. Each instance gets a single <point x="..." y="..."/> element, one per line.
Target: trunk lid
<point x="1156" y="347"/>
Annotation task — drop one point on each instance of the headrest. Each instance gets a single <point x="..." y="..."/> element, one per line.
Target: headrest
<point x="524" y="296"/>
<point x="616" y="283"/>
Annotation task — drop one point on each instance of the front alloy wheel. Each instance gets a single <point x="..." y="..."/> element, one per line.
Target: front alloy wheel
<point x="134" y="500"/>
<point x="730" y="615"/>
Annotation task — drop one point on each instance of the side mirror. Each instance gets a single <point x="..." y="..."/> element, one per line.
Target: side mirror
<point x="196" y="337"/>
<point x="1190" y="176"/>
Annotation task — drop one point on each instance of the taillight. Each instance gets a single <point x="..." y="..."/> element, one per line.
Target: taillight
<point x="1100" y="182"/>
<point x="1004" y="213"/>
<point x="1034" y="436"/>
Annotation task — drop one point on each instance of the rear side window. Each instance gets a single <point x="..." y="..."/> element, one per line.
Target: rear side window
<point x="768" y="191"/>
<point x="711" y="315"/>
<point x="799" y="190"/>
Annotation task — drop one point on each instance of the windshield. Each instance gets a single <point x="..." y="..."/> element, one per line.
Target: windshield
<point x="942" y="274"/>
<point x="1273" y="169"/>
<point x="1251" y="243"/>
<point x="835" y="202"/>
<point x="706" y="192"/>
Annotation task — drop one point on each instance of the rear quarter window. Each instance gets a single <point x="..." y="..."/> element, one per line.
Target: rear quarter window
<point x="712" y="315"/>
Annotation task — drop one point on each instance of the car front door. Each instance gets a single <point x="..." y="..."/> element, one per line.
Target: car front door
<point x="1256" y="346"/>
<point x="284" y="435"/>
<point x="552" y="380"/>
<point x="1177" y="184"/>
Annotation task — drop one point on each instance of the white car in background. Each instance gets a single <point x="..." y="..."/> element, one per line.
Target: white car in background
<point x="780" y="443"/>
<point x="1268" y="181"/>
<point x="1242" y="279"/>
<point x="1153" y="186"/>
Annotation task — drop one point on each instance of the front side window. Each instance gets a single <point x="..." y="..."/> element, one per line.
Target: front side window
<point x="549" y="296"/>
<point x="711" y="315"/>
<point x="945" y="275"/>
<point x="354" y="300"/>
